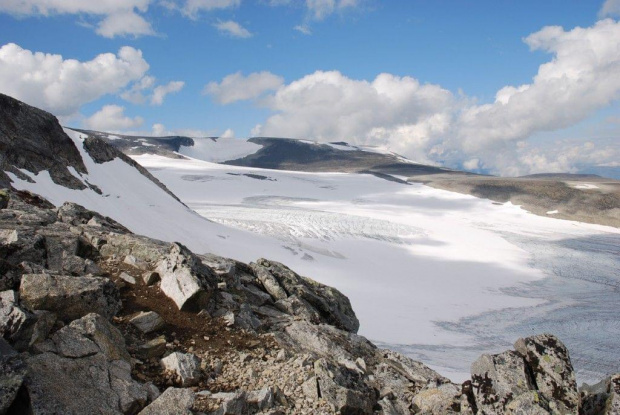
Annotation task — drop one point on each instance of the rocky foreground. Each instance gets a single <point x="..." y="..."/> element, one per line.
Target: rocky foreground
<point x="97" y="320"/>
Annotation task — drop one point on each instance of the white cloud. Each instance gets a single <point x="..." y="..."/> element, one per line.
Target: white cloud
<point x="430" y="124"/>
<point x="160" y="130"/>
<point x="160" y="92"/>
<point x="118" y="17"/>
<point x="236" y="87"/>
<point x="320" y="9"/>
<point x="303" y="29"/>
<point x="610" y="8"/>
<point x="111" y="118"/>
<point x="124" y="23"/>
<point x="580" y="79"/>
<point x="233" y="29"/>
<point x="62" y="86"/>
<point x="145" y="90"/>
<point x="192" y="8"/>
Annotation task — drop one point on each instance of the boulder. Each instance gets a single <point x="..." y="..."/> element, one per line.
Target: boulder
<point x="12" y="374"/>
<point x="16" y="324"/>
<point x="233" y="403"/>
<point x="262" y="399"/>
<point x="343" y="388"/>
<point x="552" y="370"/>
<point x="147" y="322"/>
<point x="173" y="401"/>
<point x="185" y="365"/>
<point x="613" y="402"/>
<point x="528" y="403"/>
<point x="84" y="369"/>
<point x="330" y="304"/>
<point x="150" y="277"/>
<point x="497" y="379"/>
<point x="70" y="297"/>
<point x="152" y="348"/>
<point x="185" y="279"/>
<point x="444" y="399"/>
<point x="127" y="278"/>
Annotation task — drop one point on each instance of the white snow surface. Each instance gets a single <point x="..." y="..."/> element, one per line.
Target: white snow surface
<point x="144" y="208"/>
<point x="412" y="259"/>
<point x="220" y="149"/>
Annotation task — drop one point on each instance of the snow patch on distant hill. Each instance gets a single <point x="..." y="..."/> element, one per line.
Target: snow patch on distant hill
<point x="217" y="150"/>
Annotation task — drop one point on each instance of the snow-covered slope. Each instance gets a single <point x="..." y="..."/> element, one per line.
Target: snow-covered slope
<point x="220" y="149"/>
<point x="438" y="275"/>
<point x="139" y="204"/>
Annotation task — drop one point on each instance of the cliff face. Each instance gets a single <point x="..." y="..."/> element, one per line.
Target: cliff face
<point x="32" y="139"/>
<point x="116" y="319"/>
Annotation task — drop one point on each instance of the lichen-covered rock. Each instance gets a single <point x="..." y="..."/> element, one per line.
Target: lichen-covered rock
<point x="444" y="399"/>
<point x="84" y="369"/>
<point x="528" y="403"/>
<point x="344" y="388"/>
<point x="185" y="365"/>
<point x="497" y="379"/>
<point x="12" y="373"/>
<point x="15" y="323"/>
<point x="613" y="402"/>
<point x="553" y="372"/>
<point x="175" y="401"/>
<point x="70" y="297"/>
<point x="330" y="304"/>
<point x="185" y="279"/>
<point x="152" y="348"/>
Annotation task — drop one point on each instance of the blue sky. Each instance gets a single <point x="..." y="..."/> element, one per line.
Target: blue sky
<point x="466" y="50"/>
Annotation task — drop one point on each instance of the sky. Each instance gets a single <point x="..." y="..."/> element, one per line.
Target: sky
<point x="498" y="86"/>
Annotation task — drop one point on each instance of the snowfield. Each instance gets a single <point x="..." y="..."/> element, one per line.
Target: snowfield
<point x="437" y="275"/>
<point x="440" y="276"/>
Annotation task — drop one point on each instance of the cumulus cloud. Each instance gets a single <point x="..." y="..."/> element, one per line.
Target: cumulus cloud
<point x="116" y="17"/>
<point x="160" y="92"/>
<point x="236" y="87"/>
<point x="610" y="8"/>
<point x="111" y="118"/>
<point x="430" y="124"/>
<point x="233" y="29"/>
<point x="62" y="86"/>
<point x="192" y="8"/>
<point x="320" y="9"/>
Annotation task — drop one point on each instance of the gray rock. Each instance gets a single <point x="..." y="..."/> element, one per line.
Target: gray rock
<point x="310" y="388"/>
<point x="185" y="279"/>
<point x="150" y="277"/>
<point x="174" y="401"/>
<point x="147" y="322"/>
<point x="437" y="401"/>
<point x="528" y="403"/>
<point x="613" y="402"/>
<point x="12" y="373"/>
<point x="127" y="278"/>
<point x="16" y="324"/>
<point x="497" y="379"/>
<point x="261" y="400"/>
<point x="185" y="365"/>
<point x="331" y="305"/>
<point x="153" y="348"/>
<point x="344" y="389"/>
<point x="553" y="372"/>
<point x="88" y="356"/>
<point x="136" y="263"/>
<point x="70" y="297"/>
<point x="234" y="403"/>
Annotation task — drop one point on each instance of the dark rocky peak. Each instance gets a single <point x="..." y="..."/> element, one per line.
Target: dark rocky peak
<point x="33" y="139"/>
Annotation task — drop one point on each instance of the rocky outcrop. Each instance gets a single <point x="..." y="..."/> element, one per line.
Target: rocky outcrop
<point x="222" y="337"/>
<point x="70" y="297"/>
<point x="305" y="297"/>
<point x="185" y="279"/>
<point x="33" y="140"/>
